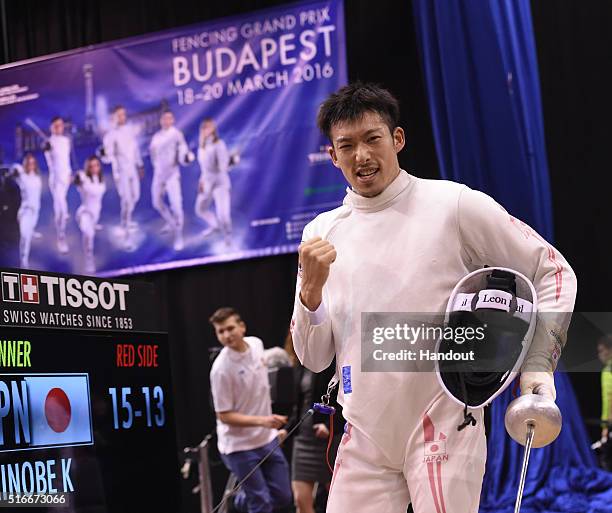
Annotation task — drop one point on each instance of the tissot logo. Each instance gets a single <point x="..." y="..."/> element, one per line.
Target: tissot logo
<point x="10" y="288"/>
<point x="29" y="288"/>
<point x="60" y="291"/>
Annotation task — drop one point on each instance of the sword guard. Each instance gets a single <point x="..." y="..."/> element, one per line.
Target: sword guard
<point x="541" y="413"/>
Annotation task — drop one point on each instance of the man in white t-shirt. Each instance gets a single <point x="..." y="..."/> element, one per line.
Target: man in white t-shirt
<point x="246" y="428"/>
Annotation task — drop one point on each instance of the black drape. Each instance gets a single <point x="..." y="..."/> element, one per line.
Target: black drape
<point x="574" y="46"/>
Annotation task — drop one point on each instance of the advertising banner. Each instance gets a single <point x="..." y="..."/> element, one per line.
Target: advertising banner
<point x="184" y="147"/>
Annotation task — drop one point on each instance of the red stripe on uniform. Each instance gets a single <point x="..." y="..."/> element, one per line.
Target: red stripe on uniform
<point x="559" y="268"/>
<point x="428" y="435"/>
<point x="440" y="487"/>
<point x="527" y="231"/>
<point x="346" y="438"/>
<point x="432" y="486"/>
<point x="428" y="429"/>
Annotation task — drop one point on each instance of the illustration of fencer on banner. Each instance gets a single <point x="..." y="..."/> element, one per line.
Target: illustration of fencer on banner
<point x="184" y="147"/>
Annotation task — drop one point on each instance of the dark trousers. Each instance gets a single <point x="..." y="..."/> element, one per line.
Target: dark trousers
<point x="269" y="487"/>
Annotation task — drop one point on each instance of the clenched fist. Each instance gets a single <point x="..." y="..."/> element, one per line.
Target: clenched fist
<point x="316" y="257"/>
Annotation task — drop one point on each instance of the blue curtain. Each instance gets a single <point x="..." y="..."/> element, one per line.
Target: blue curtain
<point x="480" y="68"/>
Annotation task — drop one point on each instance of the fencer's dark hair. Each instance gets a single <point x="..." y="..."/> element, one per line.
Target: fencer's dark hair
<point x="117" y="107"/>
<point x="351" y="102"/>
<point x="86" y="167"/>
<point x="55" y="118"/>
<point x="606" y="341"/>
<point x="224" y="313"/>
<point x="201" y="140"/>
<point x="27" y="157"/>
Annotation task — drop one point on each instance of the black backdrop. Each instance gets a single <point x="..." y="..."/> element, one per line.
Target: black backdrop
<point x="574" y="43"/>
<point x="574" y="46"/>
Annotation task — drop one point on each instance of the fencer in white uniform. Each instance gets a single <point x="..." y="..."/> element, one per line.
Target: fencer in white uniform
<point x="400" y="244"/>
<point x="27" y="177"/>
<point x="169" y="150"/>
<point x="57" y="154"/>
<point x="215" y="183"/>
<point x="91" y="187"/>
<point x="122" y="150"/>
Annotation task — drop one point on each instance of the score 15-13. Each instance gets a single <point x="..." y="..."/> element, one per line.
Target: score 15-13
<point x="154" y="415"/>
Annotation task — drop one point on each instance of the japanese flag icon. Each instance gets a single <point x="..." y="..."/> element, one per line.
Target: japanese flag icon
<point x="59" y="410"/>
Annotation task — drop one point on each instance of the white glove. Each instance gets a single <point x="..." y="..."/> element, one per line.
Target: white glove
<point x="538" y="382"/>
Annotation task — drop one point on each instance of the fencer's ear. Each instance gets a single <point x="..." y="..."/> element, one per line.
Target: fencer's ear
<point x="399" y="139"/>
<point x="332" y="154"/>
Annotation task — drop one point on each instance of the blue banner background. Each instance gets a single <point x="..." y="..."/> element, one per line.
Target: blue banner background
<point x="284" y="177"/>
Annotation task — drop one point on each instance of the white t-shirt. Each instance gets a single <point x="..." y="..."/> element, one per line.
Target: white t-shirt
<point x="239" y="382"/>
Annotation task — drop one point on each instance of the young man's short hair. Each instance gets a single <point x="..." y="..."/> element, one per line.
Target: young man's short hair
<point x="351" y="102"/>
<point x="224" y="313"/>
<point x="117" y="107"/>
<point x="56" y="118"/>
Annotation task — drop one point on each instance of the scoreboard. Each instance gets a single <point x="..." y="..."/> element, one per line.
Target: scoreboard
<point x="86" y="413"/>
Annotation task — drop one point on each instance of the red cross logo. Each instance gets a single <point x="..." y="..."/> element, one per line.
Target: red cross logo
<point x="29" y="288"/>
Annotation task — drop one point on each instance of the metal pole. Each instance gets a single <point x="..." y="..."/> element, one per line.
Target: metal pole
<point x="204" y="476"/>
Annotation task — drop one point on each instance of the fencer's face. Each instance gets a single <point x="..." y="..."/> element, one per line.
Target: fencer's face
<point x="230" y="333"/>
<point x="57" y="127"/>
<point x="366" y="152"/>
<point x="604" y="354"/>
<point x="93" y="167"/>
<point x="30" y="165"/>
<point x="166" y="120"/>
<point x="207" y="129"/>
<point x="120" y="117"/>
